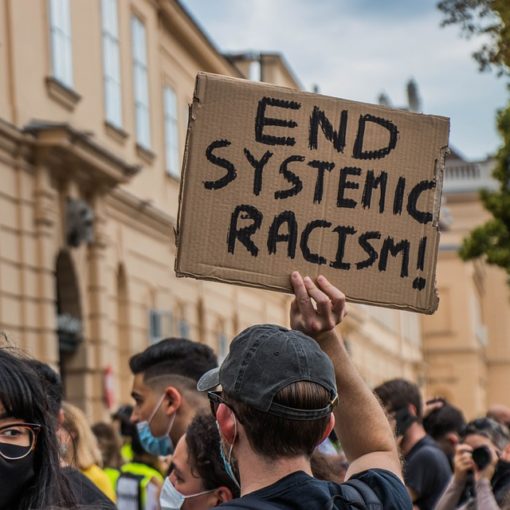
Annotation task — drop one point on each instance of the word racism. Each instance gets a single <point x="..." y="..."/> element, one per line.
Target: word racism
<point x="356" y="188"/>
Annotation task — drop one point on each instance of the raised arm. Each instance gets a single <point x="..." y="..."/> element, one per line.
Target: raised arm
<point x="361" y="423"/>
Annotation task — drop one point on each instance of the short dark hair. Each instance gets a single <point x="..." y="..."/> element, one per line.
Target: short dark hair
<point x="203" y="442"/>
<point x="398" y="394"/>
<point x="52" y="384"/>
<point x="174" y="356"/>
<point x="443" y="420"/>
<point x="273" y="436"/>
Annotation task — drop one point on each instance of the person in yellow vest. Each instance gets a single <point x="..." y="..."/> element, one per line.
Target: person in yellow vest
<point x="140" y="481"/>
<point x="121" y="421"/>
<point x="82" y="451"/>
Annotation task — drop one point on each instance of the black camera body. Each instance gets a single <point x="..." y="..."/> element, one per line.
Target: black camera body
<point x="482" y="457"/>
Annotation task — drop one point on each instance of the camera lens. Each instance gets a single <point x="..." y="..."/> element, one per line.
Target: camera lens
<point x="482" y="457"/>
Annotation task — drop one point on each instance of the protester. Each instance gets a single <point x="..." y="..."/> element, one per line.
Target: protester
<point x="197" y="479"/>
<point x="84" y="491"/>
<point x="140" y="480"/>
<point x="444" y="424"/>
<point x="109" y="444"/>
<point x="121" y="421"/>
<point x="277" y="404"/>
<point x="164" y="390"/>
<point x="426" y="467"/>
<point x="30" y="476"/>
<point x="82" y="450"/>
<point x="481" y="478"/>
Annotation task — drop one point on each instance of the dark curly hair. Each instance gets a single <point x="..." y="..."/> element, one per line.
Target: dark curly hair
<point x="203" y="443"/>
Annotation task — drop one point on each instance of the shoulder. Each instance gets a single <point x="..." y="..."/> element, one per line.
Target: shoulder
<point x="84" y="490"/>
<point x="427" y="451"/>
<point x="388" y="488"/>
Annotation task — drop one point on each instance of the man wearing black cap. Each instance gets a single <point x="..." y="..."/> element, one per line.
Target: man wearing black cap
<point x="278" y="401"/>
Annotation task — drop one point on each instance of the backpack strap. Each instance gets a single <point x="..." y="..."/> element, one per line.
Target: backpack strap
<point x="360" y="492"/>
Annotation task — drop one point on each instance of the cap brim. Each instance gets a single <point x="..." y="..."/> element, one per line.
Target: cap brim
<point x="209" y="380"/>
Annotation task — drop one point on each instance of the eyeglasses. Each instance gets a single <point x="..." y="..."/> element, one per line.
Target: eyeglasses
<point x="17" y="440"/>
<point x="215" y="399"/>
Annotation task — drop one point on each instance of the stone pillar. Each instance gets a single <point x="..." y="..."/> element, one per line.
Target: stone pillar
<point x="45" y="224"/>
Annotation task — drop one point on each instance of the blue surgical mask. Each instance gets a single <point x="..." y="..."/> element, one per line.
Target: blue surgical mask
<point x="171" y="499"/>
<point x="227" y="462"/>
<point x="155" y="445"/>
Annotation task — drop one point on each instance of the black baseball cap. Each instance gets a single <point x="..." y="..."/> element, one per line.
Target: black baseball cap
<point x="264" y="359"/>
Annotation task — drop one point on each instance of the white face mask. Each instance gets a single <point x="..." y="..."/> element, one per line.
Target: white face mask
<point x="171" y="499"/>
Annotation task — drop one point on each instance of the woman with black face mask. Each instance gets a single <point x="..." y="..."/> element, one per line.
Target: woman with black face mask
<point x="29" y="461"/>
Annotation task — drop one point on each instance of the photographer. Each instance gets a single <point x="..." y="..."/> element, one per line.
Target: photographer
<point x="481" y="477"/>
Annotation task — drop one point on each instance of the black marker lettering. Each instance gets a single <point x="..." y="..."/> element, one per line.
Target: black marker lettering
<point x="369" y="249"/>
<point x="261" y="120"/>
<point x="414" y="195"/>
<point x="398" y="200"/>
<point x="389" y="246"/>
<point x="275" y="237"/>
<point x="258" y="166"/>
<point x="344" y="184"/>
<point x="358" y="151"/>
<point x="318" y="118"/>
<point x="342" y="232"/>
<point x="221" y="162"/>
<point x="314" y="258"/>
<point x="291" y="177"/>
<point x="372" y="183"/>
<point x="321" y="166"/>
<point x="243" y="234"/>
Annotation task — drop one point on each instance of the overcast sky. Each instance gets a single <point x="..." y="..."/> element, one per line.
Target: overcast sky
<point x="356" y="49"/>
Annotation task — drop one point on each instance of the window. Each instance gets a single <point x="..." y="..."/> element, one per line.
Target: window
<point x="222" y="347"/>
<point x="184" y="329"/>
<point x="171" y="132"/>
<point x="160" y="325"/>
<point x="61" y="43"/>
<point x="141" y="85"/>
<point x="111" y="63"/>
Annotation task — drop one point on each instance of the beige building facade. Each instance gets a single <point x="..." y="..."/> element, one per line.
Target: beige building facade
<point x="466" y="343"/>
<point x="94" y="101"/>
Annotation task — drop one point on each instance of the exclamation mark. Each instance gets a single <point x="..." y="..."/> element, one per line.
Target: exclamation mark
<point x="419" y="282"/>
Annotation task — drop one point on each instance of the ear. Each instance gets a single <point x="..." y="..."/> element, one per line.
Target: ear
<point x="60" y="417"/>
<point x="173" y="398"/>
<point x="227" y="423"/>
<point x="221" y="495"/>
<point x="412" y="409"/>
<point x="452" y="438"/>
<point x="330" y="426"/>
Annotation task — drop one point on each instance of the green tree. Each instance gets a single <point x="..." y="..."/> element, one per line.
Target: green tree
<point x="491" y="20"/>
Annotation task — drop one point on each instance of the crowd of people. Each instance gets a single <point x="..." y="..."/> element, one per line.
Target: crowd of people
<point x="285" y="422"/>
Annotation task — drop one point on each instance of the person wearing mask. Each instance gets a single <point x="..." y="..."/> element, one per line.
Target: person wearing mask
<point x="82" y="450"/>
<point x="85" y="493"/>
<point x="164" y="391"/>
<point x="481" y="477"/>
<point x="426" y="467"/>
<point x="30" y="475"/>
<point x="279" y="400"/>
<point x="197" y="478"/>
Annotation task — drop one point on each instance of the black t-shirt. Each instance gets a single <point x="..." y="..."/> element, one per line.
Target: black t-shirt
<point x="85" y="492"/>
<point x="299" y="491"/>
<point x="427" y="472"/>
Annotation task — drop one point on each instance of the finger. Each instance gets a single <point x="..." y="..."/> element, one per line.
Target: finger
<point x="303" y="301"/>
<point x="336" y="296"/>
<point x="321" y="299"/>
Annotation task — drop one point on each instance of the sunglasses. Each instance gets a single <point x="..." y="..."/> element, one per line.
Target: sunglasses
<point x="17" y="440"/>
<point x="215" y="399"/>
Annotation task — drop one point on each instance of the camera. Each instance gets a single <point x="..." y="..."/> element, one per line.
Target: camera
<point x="481" y="457"/>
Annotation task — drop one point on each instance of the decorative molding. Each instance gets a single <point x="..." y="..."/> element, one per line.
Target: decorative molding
<point x="115" y="132"/>
<point x="145" y="154"/>
<point x="62" y="94"/>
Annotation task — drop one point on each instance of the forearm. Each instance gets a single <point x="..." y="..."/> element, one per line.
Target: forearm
<point x="450" y="498"/>
<point x="361" y="423"/>
<point x="484" y="496"/>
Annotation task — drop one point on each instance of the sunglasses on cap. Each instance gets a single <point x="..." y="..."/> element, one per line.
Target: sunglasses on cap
<point x="17" y="440"/>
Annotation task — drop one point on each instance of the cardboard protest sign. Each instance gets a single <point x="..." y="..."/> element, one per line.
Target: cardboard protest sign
<point x="276" y="180"/>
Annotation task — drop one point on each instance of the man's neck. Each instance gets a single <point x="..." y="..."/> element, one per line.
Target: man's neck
<point x="257" y="472"/>
<point x="414" y="433"/>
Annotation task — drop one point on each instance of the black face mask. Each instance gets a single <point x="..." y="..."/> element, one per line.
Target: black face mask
<point x="14" y="476"/>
